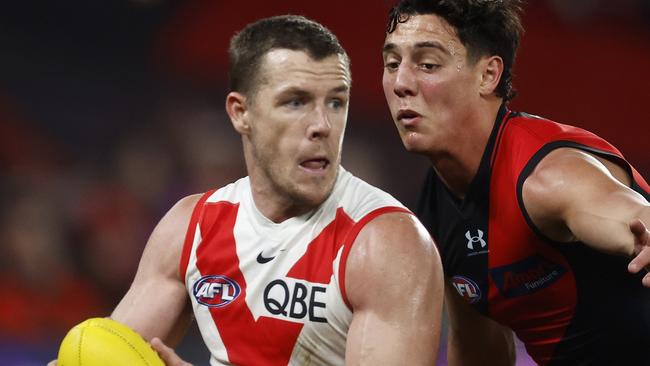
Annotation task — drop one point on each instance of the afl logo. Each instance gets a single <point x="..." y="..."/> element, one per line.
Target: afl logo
<point x="215" y="291"/>
<point x="467" y="288"/>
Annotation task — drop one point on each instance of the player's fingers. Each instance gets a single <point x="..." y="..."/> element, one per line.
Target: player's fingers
<point x="52" y="363"/>
<point x="641" y="260"/>
<point x="646" y="280"/>
<point x="641" y="233"/>
<point x="167" y="354"/>
<point x="641" y="247"/>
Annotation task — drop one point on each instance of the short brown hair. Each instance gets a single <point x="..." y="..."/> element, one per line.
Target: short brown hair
<point x="293" y="32"/>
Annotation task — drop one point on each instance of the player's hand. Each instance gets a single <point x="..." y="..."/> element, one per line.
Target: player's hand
<point x="641" y="250"/>
<point x="167" y="354"/>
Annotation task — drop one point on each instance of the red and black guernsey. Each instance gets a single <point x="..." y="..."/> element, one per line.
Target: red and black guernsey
<point x="569" y="304"/>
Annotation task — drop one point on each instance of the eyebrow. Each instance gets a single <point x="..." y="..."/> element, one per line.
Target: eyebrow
<point x="299" y="92"/>
<point x="341" y="89"/>
<point x="388" y="47"/>
<point x="293" y="91"/>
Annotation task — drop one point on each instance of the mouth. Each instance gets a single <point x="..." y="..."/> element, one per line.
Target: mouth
<point x="407" y="116"/>
<point x="318" y="164"/>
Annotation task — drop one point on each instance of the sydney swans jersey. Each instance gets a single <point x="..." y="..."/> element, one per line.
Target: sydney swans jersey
<point x="569" y="304"/>
<point x="274" y="294"/>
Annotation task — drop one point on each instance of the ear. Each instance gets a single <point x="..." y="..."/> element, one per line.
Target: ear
<point x="492" y="69"/>
<point x="237" y="110"/>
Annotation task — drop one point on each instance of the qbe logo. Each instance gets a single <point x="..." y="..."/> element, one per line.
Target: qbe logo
<point x="296" y="300"/>
<point x="467" y="288"/>
<point x="215" y="291"/>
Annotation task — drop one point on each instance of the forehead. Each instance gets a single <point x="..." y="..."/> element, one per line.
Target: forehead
<point x="422" y="28"/>
<point x="289" y="68"/>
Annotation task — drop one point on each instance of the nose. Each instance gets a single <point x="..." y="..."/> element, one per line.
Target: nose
<point x="405" y="82"/>
<point x="320" y="125"/>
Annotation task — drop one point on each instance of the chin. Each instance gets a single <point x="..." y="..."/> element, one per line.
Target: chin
<point x="315" y="193"/>
<point x="413" y="144"/>
<point x="309" y="200"/>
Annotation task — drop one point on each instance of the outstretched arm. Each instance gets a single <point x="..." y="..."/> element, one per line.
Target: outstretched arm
<point x="574" y="196"/>
<point x="394" y="284"/>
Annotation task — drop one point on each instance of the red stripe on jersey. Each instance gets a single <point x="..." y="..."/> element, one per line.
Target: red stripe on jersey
<point x="268" y="341"/>
<point x="540" y="317"/>
<point x="640" y="181"/>
<point x="316" y="264"/>
<point x="191" y="231"/>
<point x="349" y="242"/>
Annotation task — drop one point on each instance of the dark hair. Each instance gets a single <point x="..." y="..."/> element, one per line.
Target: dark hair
<point x="485" y="27"/>
<point x="293" y="32"/>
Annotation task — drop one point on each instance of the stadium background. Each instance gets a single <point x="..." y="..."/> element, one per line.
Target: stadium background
<point x="110" y="111"/>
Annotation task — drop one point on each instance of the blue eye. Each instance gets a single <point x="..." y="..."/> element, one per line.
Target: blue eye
<point x="336" y="103"/>
<point x="295" y="103"/>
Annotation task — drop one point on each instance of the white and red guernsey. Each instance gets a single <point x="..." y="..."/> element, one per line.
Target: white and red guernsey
<point x="274" y="294"/>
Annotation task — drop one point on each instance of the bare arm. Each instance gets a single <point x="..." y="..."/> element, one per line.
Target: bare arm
<point x="156" y="304"/>
<point x="574" y="196"/>
<point x="394" y="284"/>
<point x="473" y="339"/>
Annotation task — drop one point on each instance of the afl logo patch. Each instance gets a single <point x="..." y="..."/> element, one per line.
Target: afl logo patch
<point x="215" y="291"/>
<point x="467" y="289"/>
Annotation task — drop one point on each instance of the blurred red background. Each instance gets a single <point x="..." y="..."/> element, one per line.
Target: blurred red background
<point x="111" y="111"/>
<point x="585" y="69"/>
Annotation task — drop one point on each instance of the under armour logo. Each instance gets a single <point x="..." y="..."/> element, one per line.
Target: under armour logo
<point x="475" y="239"/>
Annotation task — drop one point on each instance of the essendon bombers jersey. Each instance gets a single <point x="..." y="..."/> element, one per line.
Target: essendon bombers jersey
<point x="266" y="293"/>
<point x="569" y="304"/>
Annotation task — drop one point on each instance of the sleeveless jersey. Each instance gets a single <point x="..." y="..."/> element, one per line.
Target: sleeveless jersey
<point x="267" y="293"/>
<point x="569" y="304"/>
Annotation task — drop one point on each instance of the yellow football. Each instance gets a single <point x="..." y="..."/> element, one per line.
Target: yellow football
<point x="105" y="342"/>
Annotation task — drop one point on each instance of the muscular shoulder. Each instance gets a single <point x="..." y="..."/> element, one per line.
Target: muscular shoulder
<point x="567" y="169"/>
<point x="177" y="218"/>
<point x="561" y="179"/>
<point x="394" y="249"/>
<point x="166" y="241"/>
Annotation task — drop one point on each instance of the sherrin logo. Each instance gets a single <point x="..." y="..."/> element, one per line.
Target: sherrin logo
<point x="215" y="291"/>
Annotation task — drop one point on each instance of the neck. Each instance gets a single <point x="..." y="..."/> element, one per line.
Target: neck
<point x="277" y="208"/>
<point x="457" y="163"/>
